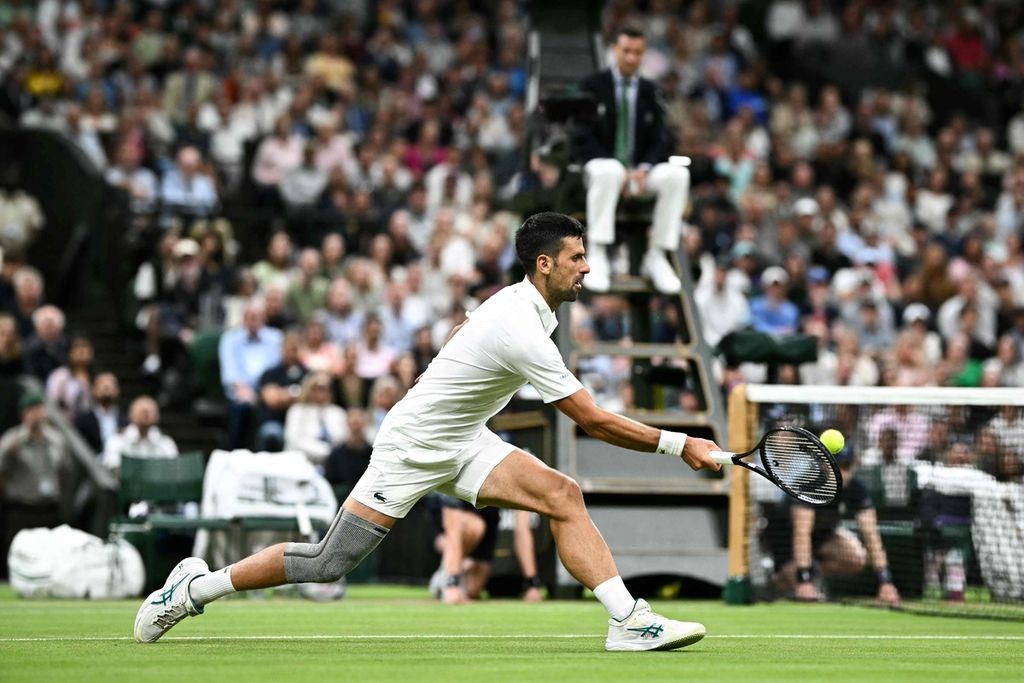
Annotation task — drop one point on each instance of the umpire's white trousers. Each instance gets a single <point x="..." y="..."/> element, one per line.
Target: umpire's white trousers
<point x="604" y="179"/>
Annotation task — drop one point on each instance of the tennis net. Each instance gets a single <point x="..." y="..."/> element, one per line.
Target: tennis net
<point x="933" y="499"/>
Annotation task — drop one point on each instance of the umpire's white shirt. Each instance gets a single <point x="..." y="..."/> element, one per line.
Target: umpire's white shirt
<point x="505" y="344"/>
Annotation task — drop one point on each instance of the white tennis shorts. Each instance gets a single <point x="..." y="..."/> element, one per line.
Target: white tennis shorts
<point x="396" y="479"/>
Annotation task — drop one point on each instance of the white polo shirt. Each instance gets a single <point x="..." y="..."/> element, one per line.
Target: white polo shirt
<point x="505" y="344"/>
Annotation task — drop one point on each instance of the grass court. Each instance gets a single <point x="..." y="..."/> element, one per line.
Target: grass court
<point x="393" y="633"/>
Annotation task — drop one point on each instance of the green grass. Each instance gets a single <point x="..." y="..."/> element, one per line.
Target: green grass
<point x="358" y="640"/>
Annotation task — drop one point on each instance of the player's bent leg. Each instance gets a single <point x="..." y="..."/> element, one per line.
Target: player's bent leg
<point x="346" y="544"/>
<point x="268" y="567"/>
<point x="355" y="532"/>
<point x="522" y="481"/>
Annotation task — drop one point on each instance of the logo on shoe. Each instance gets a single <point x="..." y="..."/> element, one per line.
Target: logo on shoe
<point x="167" y="594"/>
<point x="380" y="497"/>
<point x="653" y="631"/>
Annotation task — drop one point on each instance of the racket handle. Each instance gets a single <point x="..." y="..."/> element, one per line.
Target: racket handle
<point x="722" y="457"/>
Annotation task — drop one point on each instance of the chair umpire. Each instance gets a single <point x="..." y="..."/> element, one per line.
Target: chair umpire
<point x="625" y="149"/>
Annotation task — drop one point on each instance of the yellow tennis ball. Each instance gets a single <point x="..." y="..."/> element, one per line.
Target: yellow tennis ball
<point x="833" y="440"/>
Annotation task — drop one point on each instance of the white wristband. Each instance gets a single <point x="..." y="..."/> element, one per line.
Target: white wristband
<point x="671" y="443"/>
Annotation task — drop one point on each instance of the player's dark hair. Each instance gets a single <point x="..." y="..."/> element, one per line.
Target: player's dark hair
<point x="542" y="233"/>
<point x="630" y="31"/>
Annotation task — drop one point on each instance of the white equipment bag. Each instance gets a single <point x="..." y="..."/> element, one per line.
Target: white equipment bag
<point x="69" y="563"/>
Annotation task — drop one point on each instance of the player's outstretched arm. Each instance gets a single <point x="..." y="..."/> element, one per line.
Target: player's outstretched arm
<point x="620" y="430"/>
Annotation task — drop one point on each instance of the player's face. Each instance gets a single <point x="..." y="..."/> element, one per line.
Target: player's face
<point x="570" y="266"/>
<point x="629" y="52"/>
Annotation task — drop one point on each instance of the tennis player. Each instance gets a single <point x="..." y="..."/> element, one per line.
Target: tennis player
<point x="435" y="439"/>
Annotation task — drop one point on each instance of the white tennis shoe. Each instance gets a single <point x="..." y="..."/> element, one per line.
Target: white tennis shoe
<point x="646" y="630"/>
<point x="167" y="606"/>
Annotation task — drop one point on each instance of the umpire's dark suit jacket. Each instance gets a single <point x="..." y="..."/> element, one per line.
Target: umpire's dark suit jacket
<point x="653" y="142"/>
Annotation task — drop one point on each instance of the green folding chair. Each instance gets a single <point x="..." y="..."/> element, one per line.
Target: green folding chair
<point x="161" y="482"/>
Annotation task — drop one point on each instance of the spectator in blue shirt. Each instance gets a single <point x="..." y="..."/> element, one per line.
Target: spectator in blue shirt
<point x="186" y="188"/>
<point x="773" y="313"/>
<point x="245" y="354"/>
<point x="746" y="94"/>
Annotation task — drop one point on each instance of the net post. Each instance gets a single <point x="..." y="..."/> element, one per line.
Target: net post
<point x="742" y="433"/>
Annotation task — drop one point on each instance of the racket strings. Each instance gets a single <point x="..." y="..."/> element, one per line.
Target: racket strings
<point x="797" y="463"/>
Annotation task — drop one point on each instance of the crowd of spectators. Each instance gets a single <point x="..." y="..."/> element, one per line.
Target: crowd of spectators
<point x="326" y="181"/>
<point x="363" y="144"/>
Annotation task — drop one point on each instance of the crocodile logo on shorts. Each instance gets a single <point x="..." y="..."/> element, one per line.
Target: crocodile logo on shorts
<point x="379" y="496"/>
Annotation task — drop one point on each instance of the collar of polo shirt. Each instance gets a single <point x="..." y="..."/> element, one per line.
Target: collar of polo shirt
<point x="547" y="316"/>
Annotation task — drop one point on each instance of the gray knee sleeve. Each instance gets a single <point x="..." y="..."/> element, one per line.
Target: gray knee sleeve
<point x="349" y="540"/>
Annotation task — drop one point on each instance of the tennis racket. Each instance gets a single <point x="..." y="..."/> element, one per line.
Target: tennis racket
<point x="794" y="460"/>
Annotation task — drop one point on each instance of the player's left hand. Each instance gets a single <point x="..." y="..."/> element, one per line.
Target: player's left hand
<point x="888" y="595"/>
<point x="697" y="453"/>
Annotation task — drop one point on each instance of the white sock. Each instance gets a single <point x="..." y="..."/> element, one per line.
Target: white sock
<point x="209" y="587"/>
<point x="615" y="598"/>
